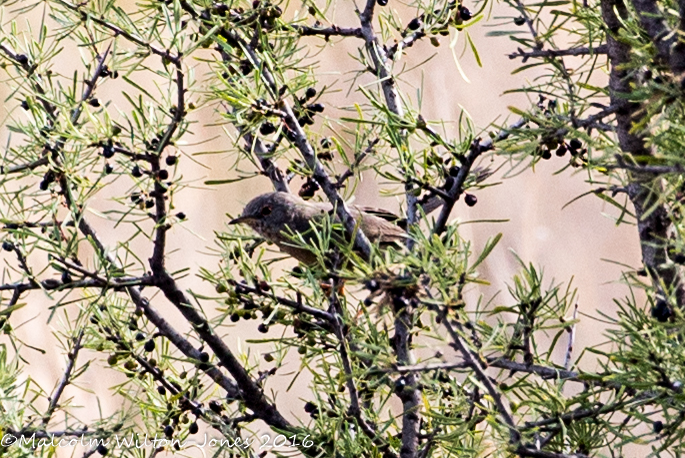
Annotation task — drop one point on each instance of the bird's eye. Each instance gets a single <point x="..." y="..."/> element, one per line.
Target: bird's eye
<point x="266" y="210"/>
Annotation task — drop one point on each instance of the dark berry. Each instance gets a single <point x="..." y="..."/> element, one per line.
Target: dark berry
<point x="662" y="311"/>
<point x="263" y="328"/>
<point x="181" y="215"/>
<point x="136" y="172"/>
<point x="317" y="107"/>
<point x="149" y="203"/>
<point x="94" y="103"/>
<point x="400" y="385"/>
<point x="267" y="128"/>
<point x="372" y="285"/>
<point x="245" y="67"/>
<point x="310" y="407"/>
<point x="102" y="450"/>
<point x="305" y="119"/>
<point x="216" y="407"/>
<point x="308" y="189"/>
<point x="171" y="160"/>
<point x="546" y="154"/>
<point x="464" y="13"/>
<point x="43" y="185"/>
<point x="575" y="144"/>
<point x="325" y="155"/>
<point x="168" y="430"/>
<point x="25" y="105"/>
<point x="108" y="169"/>
<point x="470" y="200"/>
<point x="150" y="345"/>
<point x="658" y="426"/>
<point x="7" y="245"/>
<point x="415" y="24"/>
<point x="161" y="390"/>
<point x="108" y="151"/>
<point x="519" y="20"/>
<point x="382" y="2"/>
<point x="310" y="93"/>
<point x="193" y="429"/>
<point x="140" y="337"/>
<point x="297" y="270"/>
<point x="163" y="174"/>
<point x="235" y="317"/>
<point x="204" y="357"/>
<point x="399" y="303"/>
<point x="561" y="150"/>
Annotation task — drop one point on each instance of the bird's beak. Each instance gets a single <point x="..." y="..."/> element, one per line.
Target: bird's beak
<point x="242" y="219"/>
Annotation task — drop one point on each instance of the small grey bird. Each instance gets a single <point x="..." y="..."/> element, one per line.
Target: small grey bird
<point x="275" y="215"/>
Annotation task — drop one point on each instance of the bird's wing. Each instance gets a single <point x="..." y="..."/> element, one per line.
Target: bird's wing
<point x="379" y="212"/>
<point x="386" y="215"/>
<point x="378" y="230"/>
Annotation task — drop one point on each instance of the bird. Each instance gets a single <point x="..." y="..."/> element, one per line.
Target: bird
<point x="276" y="216"/>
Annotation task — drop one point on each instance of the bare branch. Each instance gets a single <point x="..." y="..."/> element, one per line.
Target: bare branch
<point x="406" y="42"/>
<point x="552" y="53"/>
<point x="327" y="32"/>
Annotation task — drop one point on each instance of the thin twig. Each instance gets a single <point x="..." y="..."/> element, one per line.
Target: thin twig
<point x="295" y="305"/>
<point x="164" y="53"/>
<point x="571" y="338"/>
<point x="52" y="284"/>
<point x="529" y="22"/>
<point x="472" y="359"/>
<point x="478" y="147"/>
<point x="359" y="158"/>
<point x="66" y="379"/>
<point x="355" y="408"/>
<point x="327" y="32"/>
<point x="551" y="53"/>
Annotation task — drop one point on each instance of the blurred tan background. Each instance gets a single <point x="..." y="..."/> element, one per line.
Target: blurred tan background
<point x="572" y="243"/>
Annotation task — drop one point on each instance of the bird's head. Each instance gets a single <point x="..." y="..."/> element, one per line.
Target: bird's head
<point x="266" y="213"/>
